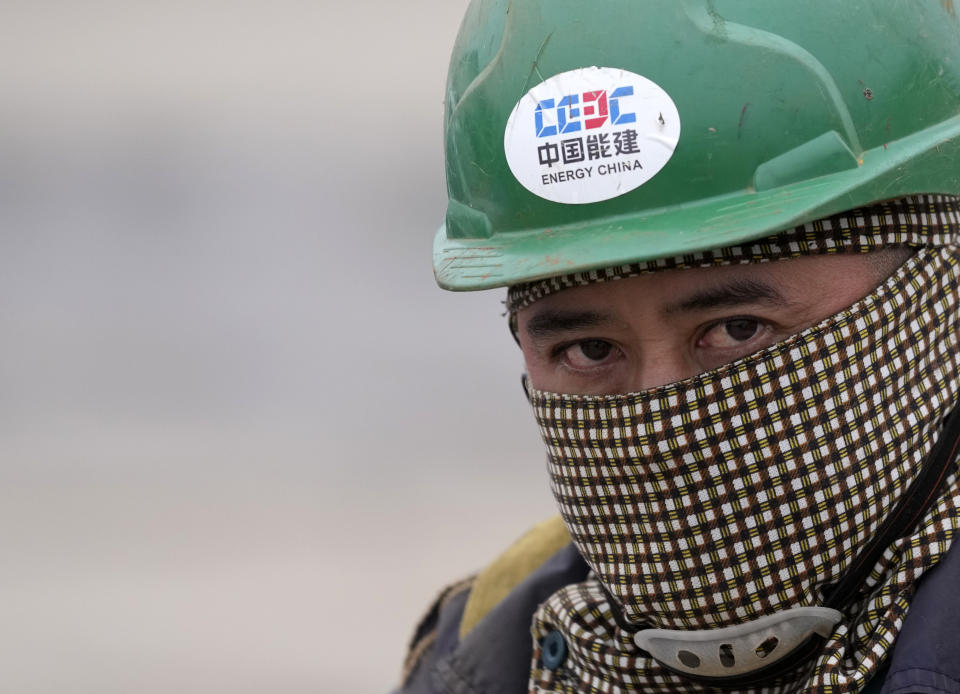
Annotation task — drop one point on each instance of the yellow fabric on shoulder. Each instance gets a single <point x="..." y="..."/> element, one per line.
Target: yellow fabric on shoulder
<point x="507" y="571"/>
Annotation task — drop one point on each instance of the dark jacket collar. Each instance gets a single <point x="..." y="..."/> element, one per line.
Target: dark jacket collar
<point x="926" y="656"/>
<point x="494" y="658"/>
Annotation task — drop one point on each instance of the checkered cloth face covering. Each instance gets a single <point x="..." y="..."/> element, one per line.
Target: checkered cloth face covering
<point x="748" y="489"/>
<point x="919" y="220"/>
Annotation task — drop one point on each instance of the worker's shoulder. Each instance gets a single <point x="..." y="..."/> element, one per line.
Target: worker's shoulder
<point x="439" y="623"/>
<point x="508" y="570"/>
<point x="462" y="605"/>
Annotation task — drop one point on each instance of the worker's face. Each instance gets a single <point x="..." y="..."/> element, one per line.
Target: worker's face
<point x="633" y="334"/>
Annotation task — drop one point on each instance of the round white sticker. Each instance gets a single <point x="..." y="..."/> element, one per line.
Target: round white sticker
<point x="590" y="134"/>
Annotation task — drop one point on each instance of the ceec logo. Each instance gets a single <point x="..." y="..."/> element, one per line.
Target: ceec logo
<point x="588" y="110"/>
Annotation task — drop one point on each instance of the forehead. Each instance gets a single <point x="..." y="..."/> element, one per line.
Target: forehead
<point x="794" y="279"/>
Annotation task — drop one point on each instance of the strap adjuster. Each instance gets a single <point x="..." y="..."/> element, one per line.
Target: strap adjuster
<point x="740" y="649"/>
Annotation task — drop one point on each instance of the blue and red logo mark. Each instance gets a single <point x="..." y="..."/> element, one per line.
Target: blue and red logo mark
<point x="581" y="112"/>
<point x="586" y="111"/>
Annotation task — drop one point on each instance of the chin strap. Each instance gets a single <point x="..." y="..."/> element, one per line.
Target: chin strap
<point x="765" y="648"/>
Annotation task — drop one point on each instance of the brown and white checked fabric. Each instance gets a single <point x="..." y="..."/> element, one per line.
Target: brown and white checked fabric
<point x="917" y="220"/>
<point x="747" y="489"/>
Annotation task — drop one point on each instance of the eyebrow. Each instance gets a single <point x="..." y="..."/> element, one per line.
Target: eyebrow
<point x="551" y="321"/>
<point x="734" y="293"/>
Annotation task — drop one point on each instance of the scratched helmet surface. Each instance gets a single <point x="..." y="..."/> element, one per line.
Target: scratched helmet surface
<point x="586" y="135"/>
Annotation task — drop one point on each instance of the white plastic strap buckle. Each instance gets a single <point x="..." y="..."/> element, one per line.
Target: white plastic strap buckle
<point x="739" y="649"/>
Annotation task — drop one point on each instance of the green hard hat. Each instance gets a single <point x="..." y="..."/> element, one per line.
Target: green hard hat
<point x="582" y="135"/>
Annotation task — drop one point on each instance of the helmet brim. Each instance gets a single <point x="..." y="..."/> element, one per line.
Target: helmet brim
<point x="924" y="162"/>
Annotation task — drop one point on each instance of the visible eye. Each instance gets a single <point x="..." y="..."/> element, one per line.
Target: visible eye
<point x="731" y="333"/>
<point x="588" y="354"/>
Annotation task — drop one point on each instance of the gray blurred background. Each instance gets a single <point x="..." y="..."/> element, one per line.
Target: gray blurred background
<point x="243" y="438"/>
